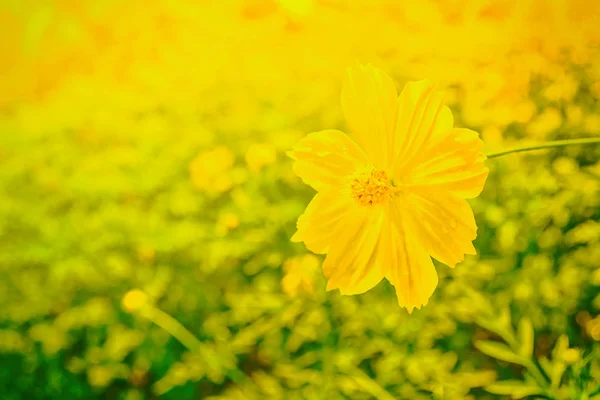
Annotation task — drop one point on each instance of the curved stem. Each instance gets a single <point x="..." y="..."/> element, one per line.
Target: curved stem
<point x="370" y="385"/>
<point x="547" y="145"/>
<point x="185" y="337"/>
<point x="538" y="375"/>
<point x="173" y="327"/>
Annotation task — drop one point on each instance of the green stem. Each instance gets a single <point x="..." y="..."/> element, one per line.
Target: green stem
<point x="185" y="337"/>
<point x="537" y="375"/>
<point x="173" y="327"/>
<point x="547" y="145"/>
<point x="594" y="392"/>
<point x="371" y="386"/>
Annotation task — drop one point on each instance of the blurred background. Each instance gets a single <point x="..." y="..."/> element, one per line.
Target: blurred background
<point x="143" y="181"/>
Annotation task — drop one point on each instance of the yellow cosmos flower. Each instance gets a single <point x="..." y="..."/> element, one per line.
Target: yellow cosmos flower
<point x="393" y="196"/>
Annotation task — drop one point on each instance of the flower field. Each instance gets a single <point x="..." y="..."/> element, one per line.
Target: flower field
<point x="148" y="201"/>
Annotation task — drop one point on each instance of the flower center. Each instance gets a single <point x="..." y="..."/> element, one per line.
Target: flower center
<point x="370" y="186"/>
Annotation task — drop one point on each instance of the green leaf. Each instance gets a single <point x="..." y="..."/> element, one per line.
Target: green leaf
<point x="488" y="324"/>
<point x="562" y="344"/>
<point x="504" y="319"/>
<point x="546" y="365"/>
<point x="516" y="389"/>
<point x="558" y="370"/>
<point x="525" y="334"/>
<point x="500" y="351"/>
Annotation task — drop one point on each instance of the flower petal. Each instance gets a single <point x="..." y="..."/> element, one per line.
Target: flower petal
<point x="421" y="116"/>
<point x="323" y="158"/>
<point x="322" y="215"/>
<point x="443" y="223"/>
<point x="370" y="104"/>
<point x="350" y="264"/>
<point x="409" y="267"/>
<point x="453" y="162"/>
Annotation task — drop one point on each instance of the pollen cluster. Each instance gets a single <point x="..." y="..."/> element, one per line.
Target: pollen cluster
<point x="370" y="186"/>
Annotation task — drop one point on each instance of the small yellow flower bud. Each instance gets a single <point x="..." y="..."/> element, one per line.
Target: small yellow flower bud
<point x="134" y="300"/>
<point x="571" y="356"/>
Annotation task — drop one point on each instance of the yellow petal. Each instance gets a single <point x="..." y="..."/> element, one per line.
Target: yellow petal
<point x="443" y="223"/>
<point x="350" y="263"/>
<point x="408" y="266"/>
<point x="452" y="161"/>
<point x="323" y="159"/>
<point x="370" y="104"/>
<point x="321" y="217"/>
<point x="421" y="116"/>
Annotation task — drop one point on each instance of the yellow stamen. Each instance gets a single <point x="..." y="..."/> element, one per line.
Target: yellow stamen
<point x="370" y="186"/>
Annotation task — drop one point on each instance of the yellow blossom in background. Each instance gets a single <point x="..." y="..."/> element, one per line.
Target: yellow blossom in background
<point x="210" y="170"/>
<point x="571" y="356"/>
<point x="546" y="122"/>
<point x="592" y="328"/>
<point x="393" y="196"/>
<point x="297" y="8"/>
<point x="134" y="300"/>
<point x="259" y="156"/>
<point x="227" y="222"/>
<point x="300" y="274"/>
